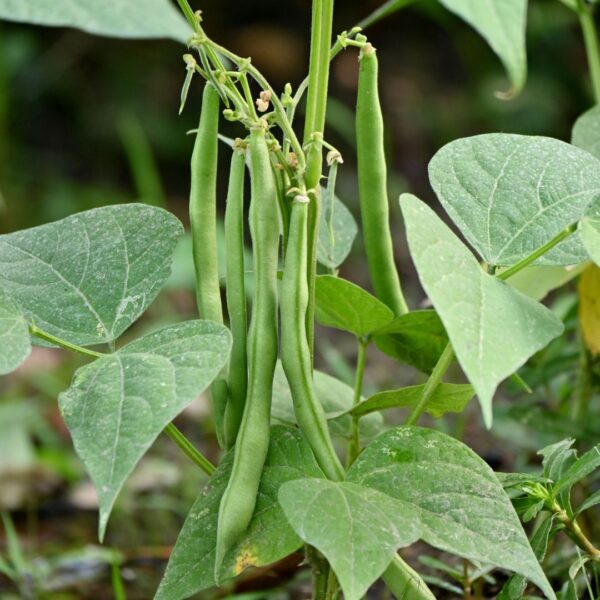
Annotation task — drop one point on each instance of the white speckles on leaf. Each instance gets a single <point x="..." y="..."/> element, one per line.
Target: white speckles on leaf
<point x="117" y="405"/>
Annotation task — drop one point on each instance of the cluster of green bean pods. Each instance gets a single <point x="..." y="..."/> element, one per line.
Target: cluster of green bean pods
<point x="239" y="499"/>
<point x="372" y="185"/>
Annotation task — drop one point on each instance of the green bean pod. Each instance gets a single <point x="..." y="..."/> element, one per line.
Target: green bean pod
<point x="372" y="184"/>
<point x="239" y="499"/>
<point x="236" y="296"/>
<point x="203" y="220"/>
<point x="295" y="351"/>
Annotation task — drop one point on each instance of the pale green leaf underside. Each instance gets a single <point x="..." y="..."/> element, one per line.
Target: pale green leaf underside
<point x="510" y="194"/>
<point x="86" y="278"/>
<point x="114" y="18"/>
<point x="537" y="282"/>
<point x="502" y="25"/>
<point x="589" y="231"/>
<point x="15" y="343"/>
<point x="334" y="246"/>
<point x="493" y="328"/>
<point x="462" y="506"/>
<point x="448" y="397"/>
<point x="586" y="131"/>
<point x="357" y="529"/>
<point x="346" y="306"/>
<point x="334" y="395"/>
<point x="269" y="537"/>
<point x="118" y="405"/>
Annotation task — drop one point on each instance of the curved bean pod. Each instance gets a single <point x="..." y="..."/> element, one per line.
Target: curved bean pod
<point x="236" y="296"/>
<point x="203" y="220"/>
<point x="372" y="184"/>
<point x="295" y="351"/>
<point x="239" y="499"/>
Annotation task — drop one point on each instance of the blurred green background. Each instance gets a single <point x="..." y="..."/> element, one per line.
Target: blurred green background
<point x="87" y="121"/>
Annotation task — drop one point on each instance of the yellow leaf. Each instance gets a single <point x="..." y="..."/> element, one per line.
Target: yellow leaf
<point x="589" y="307"/>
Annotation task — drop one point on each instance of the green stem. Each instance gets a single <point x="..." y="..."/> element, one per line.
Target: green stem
<point x="565" y="233"/>
<point x="188" y="449"/>
<point x="188" y="13"/>
<point x="590" y="38"/>
<point x="432" y="384"/>
<point x="318" y="80"/>
<point x="573" y="526"/>
<point x="318" y="73"/>
<point x="386" y="9"/>
<point x="584" y="385"/>
<point x="354" y="443"/>
<point x="44" y="335"/>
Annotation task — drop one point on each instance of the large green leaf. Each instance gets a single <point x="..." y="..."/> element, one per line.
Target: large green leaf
<point x="86" y="278"/>
<point x="502" y="25"/>
<point x="493" y="328"/>
<point x="115" y="18"/>
<point x="269" y="537"/>
<point x="357" y="529"/>
<point x="462" y="506"/>
<point x="510" y="194"/>
<point x="586" y="131"/>
<point x="448" y="397"/>
<point x="589" y="231"/>
<point x="15" y="344"/>
<point x="118" y="405"/>
<point x="417" y="338"/>
<point x="346" y="306"/>
<point x="335" y="396"/>
<point x="334" y="243"/>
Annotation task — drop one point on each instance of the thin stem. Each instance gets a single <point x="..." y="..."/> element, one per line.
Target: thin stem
<point x="565" y="233"/>
<point x="590" y="38"/>
<point x="188" y="449"/>
<point x="280" y="111"/>
<point x="584" y="386"/>
<point x="573" y="526"/>
<point x="44" y="335"/>
<point x="188" y="13"/>
<point x="432" y="384"/>
<point x="354" y="443"/>
<point x="386" y="9"/>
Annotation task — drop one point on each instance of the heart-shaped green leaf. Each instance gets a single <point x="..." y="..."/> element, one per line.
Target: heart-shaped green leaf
<point x="357" y="529"/>
<point x="115" y="18"/>
<point x="417" y="338"/>
<point x="510" y="194"/>
<point x="118" y="405"/>
<point x="493" y="328"/>
<point x="269" y="537"/>
<point x="15" y="344"/>
<point x="462" y="506"/>
<point x="589" y="231"/>
<point x="448" y="397"/>
<point x="336" y="398"/>
<point x="86" y="278"/>
<point x="346" y="306"/>
<point x="502" y="25"/>
<point x="336" y="236"/>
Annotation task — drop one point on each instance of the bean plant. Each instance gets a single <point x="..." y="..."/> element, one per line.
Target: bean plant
<point x="307" y="463"/>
